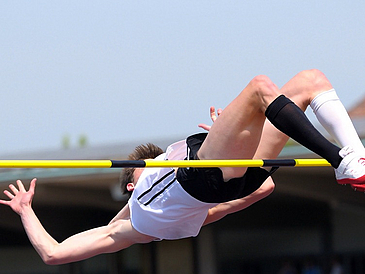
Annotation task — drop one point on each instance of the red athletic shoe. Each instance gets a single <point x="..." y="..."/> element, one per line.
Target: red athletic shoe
<point x="352" y="169"/>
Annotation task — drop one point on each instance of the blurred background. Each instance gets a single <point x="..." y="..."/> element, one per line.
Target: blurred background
<point x="124" y="70"/>
<point x="92" y="79"/>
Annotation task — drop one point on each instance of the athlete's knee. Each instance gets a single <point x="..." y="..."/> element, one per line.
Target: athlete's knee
<point x="315" y="81"/>
<point x="263" y="85"/>
<point x="264" y="89"/>
<point x="260" y="82"/>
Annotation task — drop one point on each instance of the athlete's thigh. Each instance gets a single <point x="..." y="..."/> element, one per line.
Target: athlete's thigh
<point x="235" y="134"/>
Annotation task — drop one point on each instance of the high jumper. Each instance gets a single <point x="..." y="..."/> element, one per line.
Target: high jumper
<point x="168" y="203"/>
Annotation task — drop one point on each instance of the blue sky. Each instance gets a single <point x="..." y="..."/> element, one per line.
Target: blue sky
<point x="139" y="70"/>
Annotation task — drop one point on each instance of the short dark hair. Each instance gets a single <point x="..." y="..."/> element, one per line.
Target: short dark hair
<point x="141" y="152"/>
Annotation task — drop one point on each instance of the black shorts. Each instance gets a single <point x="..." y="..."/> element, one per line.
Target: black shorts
<point x="207" y="184"/>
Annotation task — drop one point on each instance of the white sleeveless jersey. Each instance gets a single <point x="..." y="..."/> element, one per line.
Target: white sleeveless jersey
<point x="160" y="207"/>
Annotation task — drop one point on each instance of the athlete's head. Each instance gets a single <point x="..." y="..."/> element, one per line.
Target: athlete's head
<point x="129" y="176"/>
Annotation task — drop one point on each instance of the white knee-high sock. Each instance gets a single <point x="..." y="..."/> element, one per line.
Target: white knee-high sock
<point x="333" y="116"/>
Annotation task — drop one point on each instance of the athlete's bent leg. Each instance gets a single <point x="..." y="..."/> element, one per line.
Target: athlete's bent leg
<point x="236" y="133"/>
<point x="301" y="89"/>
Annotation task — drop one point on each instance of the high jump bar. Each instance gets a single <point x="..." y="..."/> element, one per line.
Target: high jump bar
<point x="161" y="163"/>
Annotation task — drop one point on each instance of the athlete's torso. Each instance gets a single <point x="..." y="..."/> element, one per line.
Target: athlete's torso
<point x="160" y="207"/>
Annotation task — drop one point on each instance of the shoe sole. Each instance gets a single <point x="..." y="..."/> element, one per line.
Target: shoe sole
<point x="349" y="181"/>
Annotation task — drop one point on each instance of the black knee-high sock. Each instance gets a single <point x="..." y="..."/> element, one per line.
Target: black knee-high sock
<point x="291" y="120"/>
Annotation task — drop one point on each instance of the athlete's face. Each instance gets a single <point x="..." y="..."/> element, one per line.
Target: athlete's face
<point x="136" y="174"/>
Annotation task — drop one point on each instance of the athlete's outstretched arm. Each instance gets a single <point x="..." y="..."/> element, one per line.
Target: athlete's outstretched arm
<point x="110" y="238"/>
<point x="221" y="210"/>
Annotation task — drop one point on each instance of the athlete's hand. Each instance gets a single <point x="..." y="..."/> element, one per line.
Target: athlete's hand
<point x="19" y="197"/>
<point x="213" y="115"/>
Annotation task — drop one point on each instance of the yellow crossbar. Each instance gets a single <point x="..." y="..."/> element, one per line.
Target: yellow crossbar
<point x="156" y="163"/>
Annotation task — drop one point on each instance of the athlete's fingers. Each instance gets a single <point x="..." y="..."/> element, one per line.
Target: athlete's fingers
<point x="219" y="111"/>
<point x="213" y="115"/>
<point x="204" y="126"/>
<point x="13" y="188"/>
<point x="20" y="186"/>
<point x="4" y="202"/>
<point x="7" y="193"/>
<point x="32" y="185"/>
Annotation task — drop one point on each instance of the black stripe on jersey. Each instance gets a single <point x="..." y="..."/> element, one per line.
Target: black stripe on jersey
<point x="161" y="191"/>
<point x="156" y="183"/>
